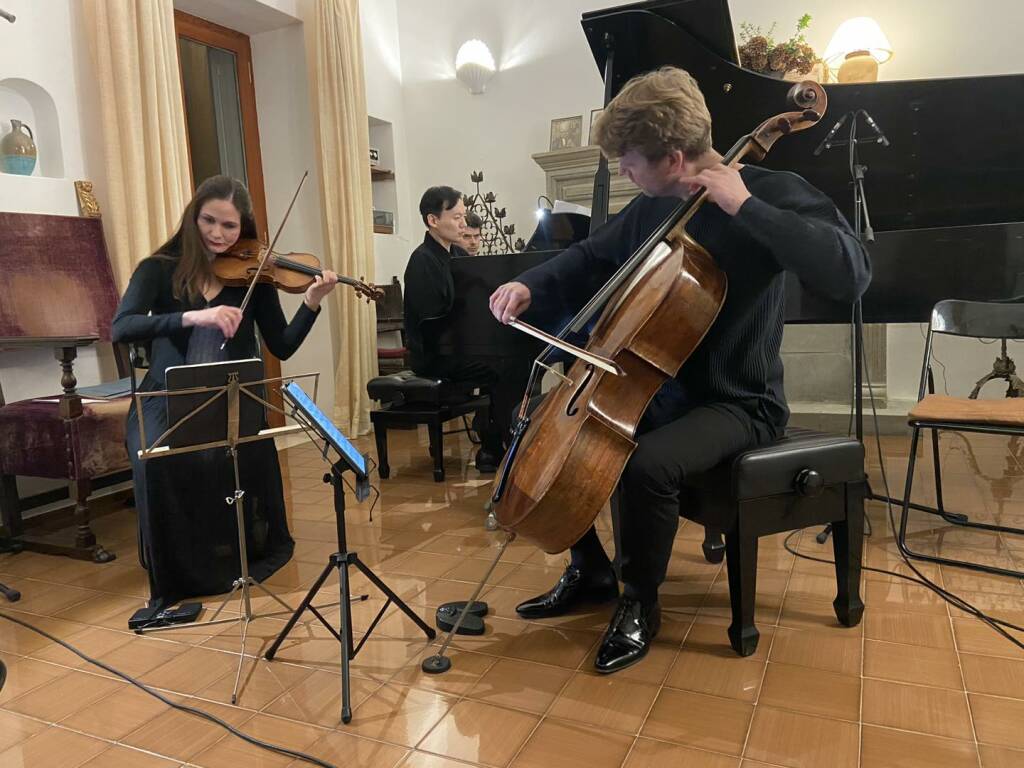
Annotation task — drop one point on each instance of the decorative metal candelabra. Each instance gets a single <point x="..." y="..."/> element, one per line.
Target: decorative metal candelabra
<point x="495" y="235"/>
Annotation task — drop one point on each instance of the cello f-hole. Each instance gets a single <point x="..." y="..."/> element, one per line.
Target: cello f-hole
<point x="570" y="408"/>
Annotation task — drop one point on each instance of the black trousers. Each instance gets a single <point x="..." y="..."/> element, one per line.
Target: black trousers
<point x="675" y="441"/>
<point x="503" y="380"/>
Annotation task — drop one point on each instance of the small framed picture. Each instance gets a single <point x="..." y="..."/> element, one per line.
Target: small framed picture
<point x="566" y="132"/>
<point x="594" y="114"/>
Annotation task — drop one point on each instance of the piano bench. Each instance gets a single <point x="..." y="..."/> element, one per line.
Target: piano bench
<point x="806" y="478"/>
<point x="407" y="400"/>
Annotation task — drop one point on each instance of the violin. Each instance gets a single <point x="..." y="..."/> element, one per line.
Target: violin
<point x="288" y="272"/>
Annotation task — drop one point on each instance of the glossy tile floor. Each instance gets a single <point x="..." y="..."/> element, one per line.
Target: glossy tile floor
<point x="917" y="684"/>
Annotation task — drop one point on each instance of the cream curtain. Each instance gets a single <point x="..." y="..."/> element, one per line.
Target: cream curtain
<point x="343" y="143"/>
<point x="148" y="182"/>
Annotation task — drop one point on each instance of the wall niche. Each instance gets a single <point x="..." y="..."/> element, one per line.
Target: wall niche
<point x="24" y="100"/>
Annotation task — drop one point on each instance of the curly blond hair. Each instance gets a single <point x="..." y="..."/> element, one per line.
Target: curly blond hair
<point x="655" y="114"/>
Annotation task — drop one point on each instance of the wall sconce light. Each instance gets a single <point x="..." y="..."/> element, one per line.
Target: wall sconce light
<point x="860" y="45"/>
<point x="474" y="65"/>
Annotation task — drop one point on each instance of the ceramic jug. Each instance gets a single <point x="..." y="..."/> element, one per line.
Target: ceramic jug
<point x="18" y="150"/>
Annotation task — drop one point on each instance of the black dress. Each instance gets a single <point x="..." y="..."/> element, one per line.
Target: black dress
<point x="188" y="537"/>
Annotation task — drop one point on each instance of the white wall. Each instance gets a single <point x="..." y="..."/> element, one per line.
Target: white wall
<point x="546" y="70"/>
<point x="287" y="145"/>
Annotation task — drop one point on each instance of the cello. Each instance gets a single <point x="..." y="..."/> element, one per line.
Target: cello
<point x="566" y="458"/>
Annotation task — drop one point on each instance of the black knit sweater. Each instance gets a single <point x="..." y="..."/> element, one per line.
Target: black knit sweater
<point x="786" y="224"/>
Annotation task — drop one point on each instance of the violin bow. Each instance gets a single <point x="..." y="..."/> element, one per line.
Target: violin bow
<point x="270" y="249"/>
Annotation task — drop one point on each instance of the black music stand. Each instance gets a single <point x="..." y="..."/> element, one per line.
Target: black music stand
<point x="317" y="425"/>
<point x="217" y="390"/>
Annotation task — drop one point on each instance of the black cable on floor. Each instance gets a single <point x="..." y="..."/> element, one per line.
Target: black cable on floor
<point x="182" y="707"/>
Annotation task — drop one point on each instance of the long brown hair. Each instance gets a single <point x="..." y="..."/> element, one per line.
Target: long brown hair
<point x="186" y="245"/>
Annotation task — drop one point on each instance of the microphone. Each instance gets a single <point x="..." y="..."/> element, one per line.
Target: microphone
<point x="874" y="126"/>
<point x="835" y="128"/>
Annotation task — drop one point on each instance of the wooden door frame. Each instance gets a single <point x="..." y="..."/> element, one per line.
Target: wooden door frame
<point x="214" y="35"/>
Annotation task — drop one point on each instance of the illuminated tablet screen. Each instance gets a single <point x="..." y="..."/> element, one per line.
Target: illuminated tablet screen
<point x="338" y="441"/>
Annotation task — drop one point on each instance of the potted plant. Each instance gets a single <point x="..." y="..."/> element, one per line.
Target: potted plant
<point x="759" y="52"/>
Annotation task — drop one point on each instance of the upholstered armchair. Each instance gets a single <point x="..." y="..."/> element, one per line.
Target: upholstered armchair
<point x="58" y="292"/>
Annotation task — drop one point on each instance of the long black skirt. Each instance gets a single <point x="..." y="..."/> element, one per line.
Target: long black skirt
<point x="188" y="536"/>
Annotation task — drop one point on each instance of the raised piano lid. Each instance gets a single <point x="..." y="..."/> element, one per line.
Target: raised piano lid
<point x="955" y="158"/>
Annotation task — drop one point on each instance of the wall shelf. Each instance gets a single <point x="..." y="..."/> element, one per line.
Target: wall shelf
<point x="379" y="174"/>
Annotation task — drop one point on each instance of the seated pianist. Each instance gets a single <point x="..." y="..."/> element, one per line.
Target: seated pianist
<point x="428" y="298"/>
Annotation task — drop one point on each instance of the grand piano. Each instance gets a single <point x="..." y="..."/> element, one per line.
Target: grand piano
<point x="946" y="198"/>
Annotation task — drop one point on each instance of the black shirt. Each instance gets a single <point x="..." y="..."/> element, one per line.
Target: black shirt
<point x="786" y="224"/>
<point x="428" y="297"/>
<point x="149" y="311"/>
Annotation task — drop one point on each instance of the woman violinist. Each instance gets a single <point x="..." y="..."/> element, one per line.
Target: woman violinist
<point x="728" y="396"/>
<point x="176" y="306"/>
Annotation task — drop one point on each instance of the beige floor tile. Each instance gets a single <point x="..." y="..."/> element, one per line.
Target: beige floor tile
<point x="399" y="715"/>
<point x="695" y="720"/>
<point x="53" y="746"/>
<point x="996" y="676"/>
<point x="569" y="745"/>
<point x="427" y="760"/>
<point x="998" y="721"/>
<point x="480" y="733"/>
<point x="520" y="685"/>
<point x="909" y="628"/>
<point x="466" y="670"/>
<point x="1000" y="757"/>
<point x="937" y="711"/>
<point x="124" y="757"/>
<point x="883" y="748"/>
<point x="802" y="741"/>
<point x="343" y="749"/>
<point x="55" y="700"/>
<point x="974" y="637"/>
<point x="116" y="715"/>
<point x="708" y="664"/>
<point x="550" y="645"/>
<point x="261" y="682"/>
<point x="317" y="698"/>
<point x="192" y="670"/>
<point x="902" y="596"/>
<point x="25" y="674"/>
<point x="937" y="667"/>
<point x="828" y="651"/>
<point x="16" y="728"/>
<point x="648" y="753"/>
<point x="607" y="702"/>
<point x="182" y="735"/>
<point x="811" y="691"/>
<point x="232" y="751"/>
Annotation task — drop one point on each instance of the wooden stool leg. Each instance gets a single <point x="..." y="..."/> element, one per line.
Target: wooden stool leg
<point x="713" y="546"/>
<point x="436" y="429"/>
<point x="741" y="565"/>
<point x="10" y="505"/>
<point x="85" y="539"/>
<point x="848" y="549"/>
<point x="380" y="435"/>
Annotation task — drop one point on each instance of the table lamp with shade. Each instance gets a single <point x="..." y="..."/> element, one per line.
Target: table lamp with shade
<point x="858" y="47"/>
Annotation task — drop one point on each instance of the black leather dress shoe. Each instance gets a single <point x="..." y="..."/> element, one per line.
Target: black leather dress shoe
<point x="629" y="635"/>
<point x="572" y="589"/>
<point x="487" y="461"/>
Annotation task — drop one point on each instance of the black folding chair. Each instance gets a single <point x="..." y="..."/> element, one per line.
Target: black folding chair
<point x="972" y="319"/>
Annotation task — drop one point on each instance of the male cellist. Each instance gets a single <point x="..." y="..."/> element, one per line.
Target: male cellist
<point x="729" y="395"/>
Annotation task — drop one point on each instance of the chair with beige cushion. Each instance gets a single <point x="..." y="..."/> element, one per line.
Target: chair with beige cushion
<point x="971" y="319"/>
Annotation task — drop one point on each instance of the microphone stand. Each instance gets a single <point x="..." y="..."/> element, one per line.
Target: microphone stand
<point x="862" y="229"/>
